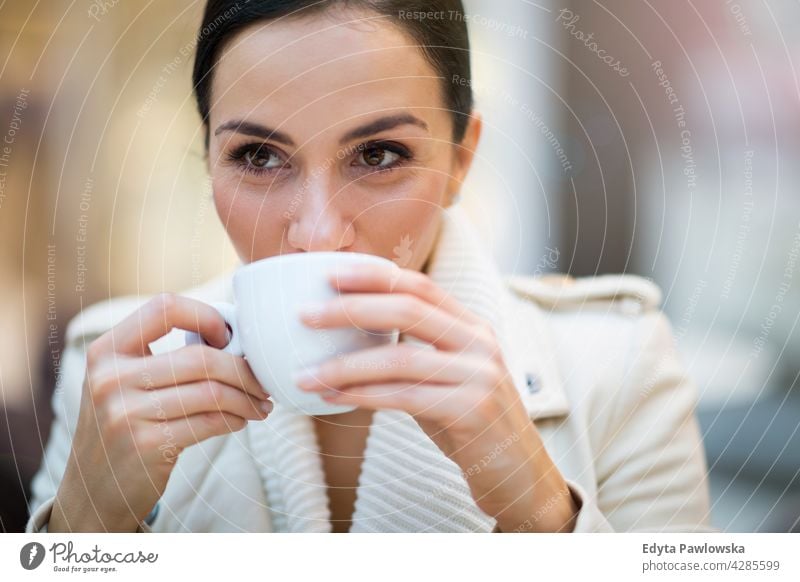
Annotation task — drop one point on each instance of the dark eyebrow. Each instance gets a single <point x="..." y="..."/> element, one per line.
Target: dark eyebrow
<point x="255" y="130"/>
<point x="383" y="124"/>
<point x="377" y="126"/>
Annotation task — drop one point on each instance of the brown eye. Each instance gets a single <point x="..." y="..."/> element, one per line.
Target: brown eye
<point x="379" y="157"/>
<point x="374" y="156"/>
<point x="259" y="158"/>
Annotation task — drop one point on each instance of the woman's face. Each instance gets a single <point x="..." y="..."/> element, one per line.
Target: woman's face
<point x="332" y="135"/>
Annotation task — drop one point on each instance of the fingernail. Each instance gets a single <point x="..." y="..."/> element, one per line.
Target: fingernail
<point x="311" y="309"/>
<point x="266" y="406"/>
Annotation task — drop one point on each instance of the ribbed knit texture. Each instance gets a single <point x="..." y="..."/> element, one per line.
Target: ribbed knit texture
<point x="406" y="484"/>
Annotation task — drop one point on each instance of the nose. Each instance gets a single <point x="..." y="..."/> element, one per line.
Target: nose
<point x="317" y="223"/>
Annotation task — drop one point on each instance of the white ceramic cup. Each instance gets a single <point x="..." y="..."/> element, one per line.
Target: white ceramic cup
<point x="267" y="331"/>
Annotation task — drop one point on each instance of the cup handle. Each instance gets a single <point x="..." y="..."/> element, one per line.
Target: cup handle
<point x="228" y="313"/>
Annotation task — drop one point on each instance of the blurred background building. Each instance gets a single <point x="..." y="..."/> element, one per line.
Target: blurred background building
<point x="656" y="138"/>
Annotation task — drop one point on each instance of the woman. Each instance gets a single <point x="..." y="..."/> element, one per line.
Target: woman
<point x="521" y="405"/>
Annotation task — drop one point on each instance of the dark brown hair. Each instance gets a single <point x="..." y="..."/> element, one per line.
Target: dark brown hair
<point x="438" y="26"/>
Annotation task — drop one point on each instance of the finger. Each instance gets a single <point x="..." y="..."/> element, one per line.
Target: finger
<point x="191" y="364"/>
<point x="423" y="401"/>
<point x="403" y="362"/>
<point x="381" y="278"/>
<point x="190" y="430"/>
<point x="197" y="397"/>
<point x="157" y="317"/>
<point x="408" y="313"/>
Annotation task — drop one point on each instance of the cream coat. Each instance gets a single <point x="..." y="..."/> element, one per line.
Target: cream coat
<point x="593" y="359"/>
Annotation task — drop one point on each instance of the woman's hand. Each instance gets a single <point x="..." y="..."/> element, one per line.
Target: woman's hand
<point x="460" y="393"/>
<point x="140" y="411"/>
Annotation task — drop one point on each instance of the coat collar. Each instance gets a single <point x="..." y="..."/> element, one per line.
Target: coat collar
<point x="406" y="480"/>
<point x="531" y="356"/>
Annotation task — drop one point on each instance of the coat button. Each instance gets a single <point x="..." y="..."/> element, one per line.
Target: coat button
<point x="533" y="383"/>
